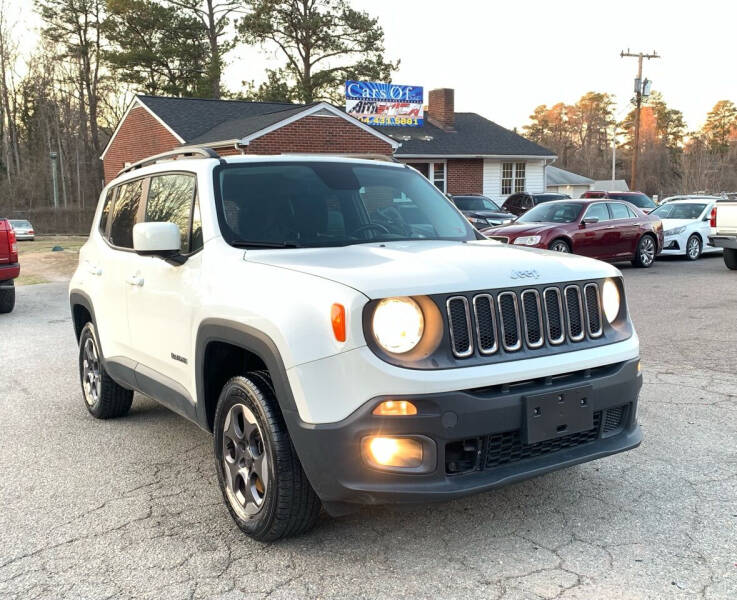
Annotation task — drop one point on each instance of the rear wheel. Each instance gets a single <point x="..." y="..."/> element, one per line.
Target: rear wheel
<point x="7" y="297"/>
<point x="265" y="489"/>
<point x="104" y="398"/>
<point x="645" y="253"/>
<point x="559" y="246"/>
<point x="730" y="258"/>
<point x="693" y="247"/>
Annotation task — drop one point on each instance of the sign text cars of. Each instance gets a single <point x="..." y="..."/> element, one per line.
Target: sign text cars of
<point x="384" y="103"/>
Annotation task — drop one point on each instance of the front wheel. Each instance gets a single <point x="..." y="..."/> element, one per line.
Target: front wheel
<point x="693" y="247"/>
<point x="730" y="258"/>
<point x="645" y="253"/>
<point x="265" y="489"/>
<point x="559" y="246"/>
<point x="103" y="398"/>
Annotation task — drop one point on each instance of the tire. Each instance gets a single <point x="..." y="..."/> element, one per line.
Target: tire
<point x="560" y="246"/>
<point x="103" y="398"/>
<point x="693" y="247"/>
<point x="730" y="258"/>
<point x="645" y="253"/>
<point x="7" y="298"/>
<point x="262" y="481"/>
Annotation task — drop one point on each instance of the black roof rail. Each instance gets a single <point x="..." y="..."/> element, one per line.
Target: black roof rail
<point x="200" y="151"/>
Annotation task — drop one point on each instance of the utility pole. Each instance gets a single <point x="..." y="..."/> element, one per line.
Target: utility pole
<point x="642" y="88"/>
<point x="52" y="156"/>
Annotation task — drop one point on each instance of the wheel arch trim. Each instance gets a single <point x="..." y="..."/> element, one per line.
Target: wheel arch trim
<point x="247" y="338"/>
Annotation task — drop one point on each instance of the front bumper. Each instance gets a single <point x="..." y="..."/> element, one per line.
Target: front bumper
<point x="489" y="421"/>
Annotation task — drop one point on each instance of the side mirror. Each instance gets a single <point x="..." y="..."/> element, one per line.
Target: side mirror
<point x="158" y="239"/>
<point x="586" y="221"/>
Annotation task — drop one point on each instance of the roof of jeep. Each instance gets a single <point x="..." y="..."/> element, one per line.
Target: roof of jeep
<point x="199" y="163"/>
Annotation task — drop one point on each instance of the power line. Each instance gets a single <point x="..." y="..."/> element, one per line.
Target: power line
<point x="641" y="88"/>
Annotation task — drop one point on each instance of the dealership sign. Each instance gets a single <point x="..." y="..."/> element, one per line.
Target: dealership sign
<point x="384" y="103"/>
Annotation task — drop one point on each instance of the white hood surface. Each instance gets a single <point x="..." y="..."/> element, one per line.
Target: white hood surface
<point x="407" y="268"/>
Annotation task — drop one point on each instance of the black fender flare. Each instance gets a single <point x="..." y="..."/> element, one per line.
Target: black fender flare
<point x="251" y="340"/>
<point x="78" y="297"/>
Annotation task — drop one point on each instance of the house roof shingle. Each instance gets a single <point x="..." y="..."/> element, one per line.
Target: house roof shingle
<point x="200" y="121"/>
<point x="194" y="119"/>
<point x="473" y="135"/>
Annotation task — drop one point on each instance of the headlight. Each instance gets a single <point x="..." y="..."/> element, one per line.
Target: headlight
<point x="478" y="222"/>
<point x="527" y="240"/>
<point x="398" y="324"/>
<point x="610" y="300"/>
<point x="676" y="231"/>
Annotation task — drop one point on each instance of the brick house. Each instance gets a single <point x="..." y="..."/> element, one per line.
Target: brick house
<point x="460" y="152"/>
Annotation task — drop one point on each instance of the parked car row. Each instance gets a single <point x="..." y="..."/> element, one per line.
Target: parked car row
<point x="603" y="229"/>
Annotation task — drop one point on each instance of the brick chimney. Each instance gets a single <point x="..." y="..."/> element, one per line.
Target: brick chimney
<point x="441" y="108"/>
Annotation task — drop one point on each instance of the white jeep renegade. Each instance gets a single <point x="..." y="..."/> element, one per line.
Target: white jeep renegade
<point x="346" y="335"/>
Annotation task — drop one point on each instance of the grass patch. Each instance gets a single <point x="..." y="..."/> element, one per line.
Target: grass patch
<point x="39" y="264"/>
<point x="70" y="243"/>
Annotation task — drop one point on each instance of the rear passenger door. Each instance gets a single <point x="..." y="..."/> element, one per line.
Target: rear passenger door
<point x="627" y="228"/>
<point x="162" y="302"/>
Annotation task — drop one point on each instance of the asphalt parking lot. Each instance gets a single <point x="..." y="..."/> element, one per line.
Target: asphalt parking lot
<point x="131" y="508"/>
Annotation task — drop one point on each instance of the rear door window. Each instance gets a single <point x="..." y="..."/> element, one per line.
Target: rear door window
<point x="171" y="198"/>
<point x="619" y="211"/>
<point x="125" y="213"/>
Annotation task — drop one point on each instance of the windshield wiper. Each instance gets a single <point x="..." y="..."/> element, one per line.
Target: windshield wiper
<point x="259" y="244"/>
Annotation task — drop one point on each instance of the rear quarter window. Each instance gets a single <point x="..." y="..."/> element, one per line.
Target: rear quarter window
<point x="105" y="215"/>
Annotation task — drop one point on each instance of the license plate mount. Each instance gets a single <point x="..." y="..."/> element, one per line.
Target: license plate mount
<point x="557" y="414"/>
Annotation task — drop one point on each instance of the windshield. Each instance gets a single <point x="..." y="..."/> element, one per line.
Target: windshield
<point x="679" y="211"/>
<point x="331" y="204"/>
<point x="558" y="212"/>
<point x="475" y="203"/>
<point x="639" y="200"/>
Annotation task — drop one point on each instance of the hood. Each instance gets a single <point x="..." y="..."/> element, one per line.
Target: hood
<point x="408" y="268"/>
<point x="674" y="223"/>
<point x="515" y="230"/>
<point x="489" y="214"/>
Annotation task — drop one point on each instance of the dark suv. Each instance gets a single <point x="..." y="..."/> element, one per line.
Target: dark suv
<point x="640" y="200"/>
<point x="482" y="211"/>
<point x="520" y="203"/>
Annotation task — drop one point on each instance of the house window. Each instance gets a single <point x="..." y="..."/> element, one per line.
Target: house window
<point x="439" y="176"/>
<point x="519" y="177"/>
<point x="507" y="174"/>
<point x="513" y="178"/>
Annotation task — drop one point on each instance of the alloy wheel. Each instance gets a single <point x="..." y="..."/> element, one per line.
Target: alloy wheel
<point x="91" y="379"/>
<point x="647" y="251"/>
<point x="559" y="247"/>
<point x="245" y="461"/>
<point x="693" y="248"/>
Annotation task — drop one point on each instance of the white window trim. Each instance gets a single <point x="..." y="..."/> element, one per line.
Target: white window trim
<point x="513" y="186"/>
<point x="431" y="170"/>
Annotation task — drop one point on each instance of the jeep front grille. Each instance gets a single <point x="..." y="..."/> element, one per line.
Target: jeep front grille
<point x="510" y="320"/>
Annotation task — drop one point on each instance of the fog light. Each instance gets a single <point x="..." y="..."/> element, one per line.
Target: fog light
<point x="404" y="453"/>
<point x="395" y="408"/>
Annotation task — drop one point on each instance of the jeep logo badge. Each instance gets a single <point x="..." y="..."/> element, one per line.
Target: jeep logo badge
<point x="531" y="274"/>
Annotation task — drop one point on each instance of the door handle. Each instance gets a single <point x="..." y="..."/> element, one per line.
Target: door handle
<point x="135" y="280"/>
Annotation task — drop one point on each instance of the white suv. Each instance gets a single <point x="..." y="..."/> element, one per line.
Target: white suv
<point x="346" y="335"/>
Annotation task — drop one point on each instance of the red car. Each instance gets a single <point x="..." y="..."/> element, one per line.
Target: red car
<point x="603" y="229"/>
<point x="640" y="200"/>
<point x="9" y="267"/>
